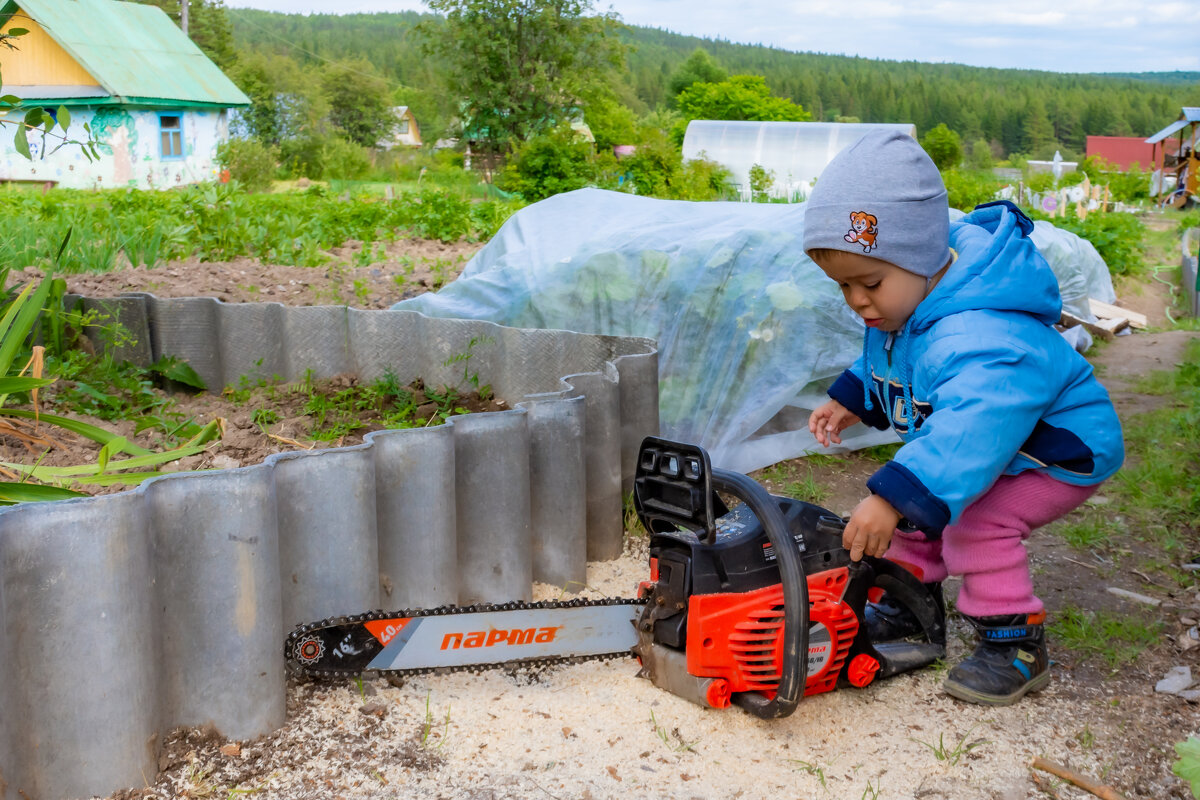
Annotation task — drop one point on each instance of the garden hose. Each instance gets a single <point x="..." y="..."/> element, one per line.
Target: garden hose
<point x="1171" y="286"/>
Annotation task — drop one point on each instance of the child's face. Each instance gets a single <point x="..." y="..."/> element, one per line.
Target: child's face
<point x="884" y="295"/>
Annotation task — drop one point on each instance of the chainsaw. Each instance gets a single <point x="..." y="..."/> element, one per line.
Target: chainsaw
<point x="757" y="606"/>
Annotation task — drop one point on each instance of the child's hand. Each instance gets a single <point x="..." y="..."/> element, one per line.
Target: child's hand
<point x="870" y="528"/>
<point x="829" y="420"/>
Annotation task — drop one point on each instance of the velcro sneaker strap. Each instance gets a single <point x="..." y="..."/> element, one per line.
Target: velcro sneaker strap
<point x="1013" y="633"/>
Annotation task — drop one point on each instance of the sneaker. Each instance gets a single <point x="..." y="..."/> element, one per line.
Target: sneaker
<point x="888" y="621"/>
<point x="1009" y="662"/>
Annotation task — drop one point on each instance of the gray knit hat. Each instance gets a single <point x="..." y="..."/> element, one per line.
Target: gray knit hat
<point x="882" y="197"/>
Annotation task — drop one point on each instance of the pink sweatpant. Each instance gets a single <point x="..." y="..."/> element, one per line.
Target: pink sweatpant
<point x="987" y="544"/>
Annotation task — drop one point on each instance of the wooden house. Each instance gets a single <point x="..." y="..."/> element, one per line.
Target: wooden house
<point x="406" y="133"/>
<point x="155" y="103"/>
<point x="1178" y="160"/>
<point x="1123" y="152"/>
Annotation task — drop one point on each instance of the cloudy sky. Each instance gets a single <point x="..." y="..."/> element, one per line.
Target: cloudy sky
<point x="1058" y="35"/>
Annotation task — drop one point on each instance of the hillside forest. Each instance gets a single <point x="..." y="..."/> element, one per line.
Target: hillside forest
<point x="305" y="72"/>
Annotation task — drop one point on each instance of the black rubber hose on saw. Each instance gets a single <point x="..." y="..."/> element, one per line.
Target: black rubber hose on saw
<point x="794" y="671"/>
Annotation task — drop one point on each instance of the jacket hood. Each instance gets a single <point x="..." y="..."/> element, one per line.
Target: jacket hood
<point x="998" y="268"/>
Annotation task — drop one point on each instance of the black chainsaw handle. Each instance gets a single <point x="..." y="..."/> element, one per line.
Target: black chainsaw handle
<point x="794" y="672"/>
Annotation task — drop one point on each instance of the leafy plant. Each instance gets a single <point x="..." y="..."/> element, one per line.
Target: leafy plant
<point x="559" y="160"/>
<point x="428" y="727"/>
<point x="250" y="162"/>
<point x="969" y="188"/>
<point x="816" y="770"/>
<point x="1118" y="237"/>
<point x="761" y="181"/>
<point x="952" y="754"/>
<point x="464" y="358"/>
<point x="632" y="523"/>
<point x="74" y="231"/>
<point x="673" y="739"/>
<point x="1188" y="764"/>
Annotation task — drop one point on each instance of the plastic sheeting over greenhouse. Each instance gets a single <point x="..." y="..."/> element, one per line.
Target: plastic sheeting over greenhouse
<point x="795" y="152"/>
<point x="750" y="331"/>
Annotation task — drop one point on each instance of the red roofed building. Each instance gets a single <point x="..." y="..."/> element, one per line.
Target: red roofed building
<point x="1122" y="151"/>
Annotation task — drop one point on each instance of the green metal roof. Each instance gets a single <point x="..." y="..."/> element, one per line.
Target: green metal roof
<point x="134" y="51"/>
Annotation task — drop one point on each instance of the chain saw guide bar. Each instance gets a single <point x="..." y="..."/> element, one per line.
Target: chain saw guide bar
<point x="756" y="606"/>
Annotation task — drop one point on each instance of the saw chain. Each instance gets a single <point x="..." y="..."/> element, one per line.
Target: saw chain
<point x="362" y="644"/>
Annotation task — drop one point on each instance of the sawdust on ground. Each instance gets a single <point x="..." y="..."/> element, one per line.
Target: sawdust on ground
<point x="595" y="730"/>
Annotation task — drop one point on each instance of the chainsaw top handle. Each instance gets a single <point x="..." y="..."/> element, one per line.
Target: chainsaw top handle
<point x="675" y="485"/>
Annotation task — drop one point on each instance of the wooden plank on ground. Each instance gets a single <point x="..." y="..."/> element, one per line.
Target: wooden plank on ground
<point x="1108" y="311"/>
<point x="1097" y="329"/>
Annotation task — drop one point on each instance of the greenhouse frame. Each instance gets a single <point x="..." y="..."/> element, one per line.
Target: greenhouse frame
<point x="794" y="152"/>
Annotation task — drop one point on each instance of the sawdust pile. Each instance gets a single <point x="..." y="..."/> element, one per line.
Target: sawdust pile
<point x="594" y="731"/>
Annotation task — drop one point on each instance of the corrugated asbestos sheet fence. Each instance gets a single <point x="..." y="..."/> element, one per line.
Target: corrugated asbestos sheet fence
<point x="126" y="615"/>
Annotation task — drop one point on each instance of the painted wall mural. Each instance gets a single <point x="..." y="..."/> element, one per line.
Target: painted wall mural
<point x="131" y="150"/>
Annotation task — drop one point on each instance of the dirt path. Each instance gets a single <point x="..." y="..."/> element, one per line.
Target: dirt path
<point x="597" y="731"/>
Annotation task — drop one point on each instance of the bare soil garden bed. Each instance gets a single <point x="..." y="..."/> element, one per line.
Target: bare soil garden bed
<point x="594" y="731"/>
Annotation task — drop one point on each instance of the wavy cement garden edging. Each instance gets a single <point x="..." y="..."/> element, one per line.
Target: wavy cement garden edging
<point x="126" y="615"/>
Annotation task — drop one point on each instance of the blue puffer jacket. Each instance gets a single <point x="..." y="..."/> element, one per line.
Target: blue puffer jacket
<point x="996" y="390"/>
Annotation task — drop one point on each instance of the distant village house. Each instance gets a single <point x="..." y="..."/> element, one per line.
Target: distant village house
<point x="1123" y="152"/>
<point x="156" y="104"/>
<point x="407" y="133"/>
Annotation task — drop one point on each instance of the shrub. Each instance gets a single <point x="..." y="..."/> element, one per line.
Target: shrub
<point x="943" y="146"/>
<point x="1126" y="187"/>
<point x="437" y="215"/>
<point x="701" y="179"/>
<point x="981" y="155"/>
<point x="250" y="162"/>
<point x="324" y="156"/>
<point x="654" y="166"/>
<point x="341" y="158"/>
<point x="440" y="167"/>
<point x="761" y="181"/>
<point x="969" y="188"/>
<point x="553" y="162"/>
<point x="1130" y="186"/>
<point x="1118" y="237"/>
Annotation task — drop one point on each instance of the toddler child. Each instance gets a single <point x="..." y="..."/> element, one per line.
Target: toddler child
<point x="1004" y="426"/>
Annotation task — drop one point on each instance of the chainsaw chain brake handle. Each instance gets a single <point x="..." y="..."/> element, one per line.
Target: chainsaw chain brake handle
<point x="675" y="486"/>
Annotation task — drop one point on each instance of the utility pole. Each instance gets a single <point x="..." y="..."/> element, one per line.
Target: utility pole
<point x="183" y="15"/>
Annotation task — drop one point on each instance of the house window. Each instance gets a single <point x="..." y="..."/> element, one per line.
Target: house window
<point x="404" y="125"/>
<point x="170" y="130"/>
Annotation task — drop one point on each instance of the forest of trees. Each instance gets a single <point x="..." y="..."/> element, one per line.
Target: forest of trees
<point x="1026" y="111"/>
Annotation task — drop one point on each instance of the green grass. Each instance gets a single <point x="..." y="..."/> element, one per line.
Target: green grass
<point x="789" y="484"/>
<point x="881" y="453"/>
<point x="1095" y="531"/>
<point x="1115" y="639"/>
<point x="1159" y="488"/>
